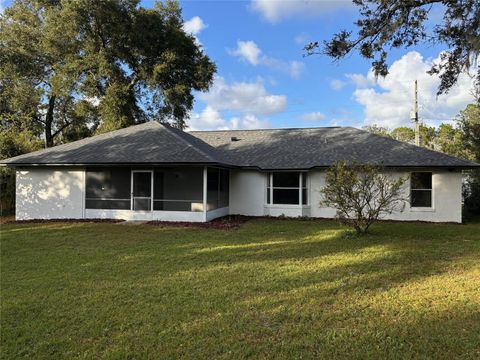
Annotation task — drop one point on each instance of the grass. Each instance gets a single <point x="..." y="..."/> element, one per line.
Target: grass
<point x="280" y="289"/>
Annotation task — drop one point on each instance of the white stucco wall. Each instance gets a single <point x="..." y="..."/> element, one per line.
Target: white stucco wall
<point x="247" y="192"/>
<point x="446" y="201"/>
<point x="248" y="197"/>
<point x="55" y="193"/>
<point x="46" y="193"/>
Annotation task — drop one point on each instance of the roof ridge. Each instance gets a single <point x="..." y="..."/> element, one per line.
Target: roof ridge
<point x="170" y="129"/>
<point x="269" y="129"/>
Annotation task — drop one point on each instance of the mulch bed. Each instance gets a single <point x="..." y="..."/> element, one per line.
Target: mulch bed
<point x="228" y="222"/>
<point x="46" y="221"/>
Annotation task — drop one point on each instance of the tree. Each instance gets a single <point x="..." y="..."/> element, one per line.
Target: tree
<point x="449" y="140"/>
<point x="13" y="142"/>
<point x="404" y="134"/>
<point x="362" y="194"/>
<point x="386" y="25"/>
<point x="469" y="123"/>
<point x="377" y="130"/>
<point x="77" y="66"/>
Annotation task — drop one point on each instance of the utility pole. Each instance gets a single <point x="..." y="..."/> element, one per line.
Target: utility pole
<point x="418" y="136"/>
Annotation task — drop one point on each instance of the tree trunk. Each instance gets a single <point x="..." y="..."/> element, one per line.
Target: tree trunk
<point x="49" y="122"/>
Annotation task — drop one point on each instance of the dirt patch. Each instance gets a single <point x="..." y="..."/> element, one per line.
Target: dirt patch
<point x="228" y="222"/>
<point x="46" y="221"/>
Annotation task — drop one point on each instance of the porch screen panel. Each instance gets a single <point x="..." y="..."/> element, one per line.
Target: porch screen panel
<point x="107" y="188"/>
<point x="212" y="188"/>
<point x="217" y="188"/>
<point x="178" y="189"/>
<point x="223" y="188"/>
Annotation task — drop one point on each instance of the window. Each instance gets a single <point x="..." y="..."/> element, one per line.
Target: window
<point x="107" y="188"/>
<point x="287" y="188"/>
<point x="421" y="189"/>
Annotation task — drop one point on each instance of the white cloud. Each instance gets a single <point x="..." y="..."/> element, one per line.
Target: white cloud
<point x="362" y="81"/>
<point x="313" y="116"/>
<point x="389" y="102"/>
<point x="246" y="97"/>
<point x="302" y="39"/>
<point x="276" y="10"/>
<point x="336" y="84"/>
<point x="194" y="25"/>
<point x="248" y="122"/>
<point x="211" y="119"/>
<point x="208" y="119"/>
<point x="295" y="68"/>
<point x="248" y="101"/>
<point x="250" y="52"/>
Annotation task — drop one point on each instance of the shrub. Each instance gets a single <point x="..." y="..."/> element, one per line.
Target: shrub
<point x="362" y="194"/>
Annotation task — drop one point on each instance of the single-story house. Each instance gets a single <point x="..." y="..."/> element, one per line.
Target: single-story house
<point x="153" y="171"/>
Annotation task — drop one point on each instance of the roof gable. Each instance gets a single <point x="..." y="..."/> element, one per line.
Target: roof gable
<point x="147" y="143"/>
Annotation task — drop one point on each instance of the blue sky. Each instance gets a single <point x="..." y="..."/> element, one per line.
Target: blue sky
<point x="263" y="80"/>
<point x="317" y="91"/>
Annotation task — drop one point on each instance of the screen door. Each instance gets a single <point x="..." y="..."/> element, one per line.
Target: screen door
<point x="142" y="190"/>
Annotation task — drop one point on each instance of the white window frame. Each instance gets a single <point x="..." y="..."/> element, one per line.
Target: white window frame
<point x="432" y="204"/>
<point x="300" y="189"/>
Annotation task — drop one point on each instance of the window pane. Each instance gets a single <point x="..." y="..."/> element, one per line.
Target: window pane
<point x="304" y="197"/>
<point x="421" y="198"/>
<point x="285" y="179"/>
<point x="285" y="196"/>
<point x="421" y="180"/>
<point x="304" y="179"/>
<point x="268" y="195"/>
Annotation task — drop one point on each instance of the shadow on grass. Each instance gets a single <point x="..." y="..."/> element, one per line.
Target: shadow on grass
<point x="271" y="289"/>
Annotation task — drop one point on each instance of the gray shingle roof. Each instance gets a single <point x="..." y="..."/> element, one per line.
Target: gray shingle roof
<point x="149" y="143"/>
<point x="154" y="143"/>
<point x="321" y="147"/>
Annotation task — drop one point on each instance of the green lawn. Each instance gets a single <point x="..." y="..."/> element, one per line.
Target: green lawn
<point x="283" y="289"/>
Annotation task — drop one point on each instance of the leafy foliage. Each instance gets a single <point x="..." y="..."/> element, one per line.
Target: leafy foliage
<point x="362" y="194"/>
<point x="386" y="25"/>
<point x="469" y="123"/>
<point x="446" y="138"/>
<point x="13" y="142"/>
<point x="76" y="67"/>
<point x="403" y="133"/>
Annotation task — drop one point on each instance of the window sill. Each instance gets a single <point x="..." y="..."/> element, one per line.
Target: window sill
<point x="422" y="209"/>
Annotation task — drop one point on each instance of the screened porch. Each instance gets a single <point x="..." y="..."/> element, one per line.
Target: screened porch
<point x="163" y="193"/>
